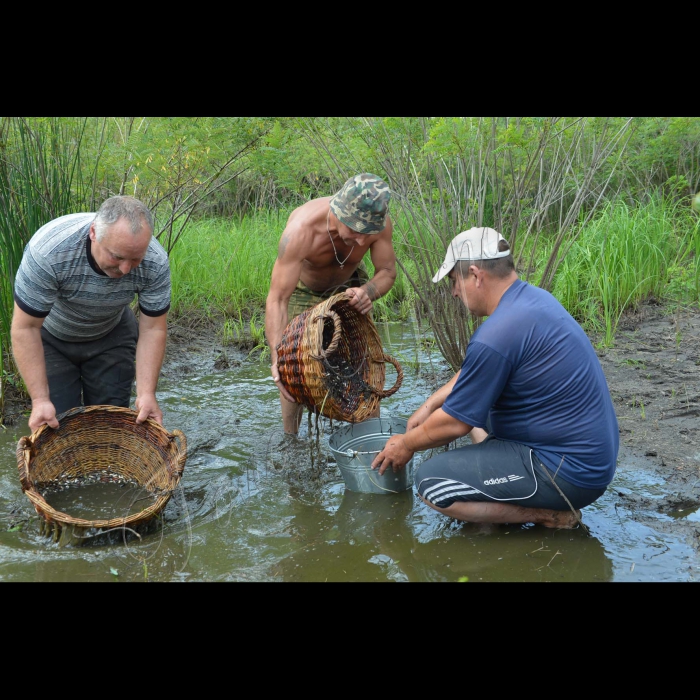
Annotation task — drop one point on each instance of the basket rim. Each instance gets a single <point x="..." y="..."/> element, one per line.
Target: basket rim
<point x="98" y="408"/>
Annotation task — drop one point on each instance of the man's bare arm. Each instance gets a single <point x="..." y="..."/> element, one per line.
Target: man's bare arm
<point x="285" y="275"/>
<point x="28" y="352"/>
<point x="439" y="429"/>
<point x="431" y="404"/>
<point x="150" y="351"/>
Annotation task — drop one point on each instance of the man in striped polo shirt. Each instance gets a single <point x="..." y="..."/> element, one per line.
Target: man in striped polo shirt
<point x="75" y="339"/>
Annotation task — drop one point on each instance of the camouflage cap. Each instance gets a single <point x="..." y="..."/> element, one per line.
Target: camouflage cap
<point x="362" y="203"/>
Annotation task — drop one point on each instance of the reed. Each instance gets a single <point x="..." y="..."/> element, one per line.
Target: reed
<point x="627" y="254"/>
<point x="40" y="179"/>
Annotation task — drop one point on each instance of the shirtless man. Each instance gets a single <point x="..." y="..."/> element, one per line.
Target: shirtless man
<point x="320" y="254"/>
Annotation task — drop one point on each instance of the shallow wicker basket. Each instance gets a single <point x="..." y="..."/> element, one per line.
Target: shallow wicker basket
<point x="330" y="359"/>
<point x="101" y="441"/>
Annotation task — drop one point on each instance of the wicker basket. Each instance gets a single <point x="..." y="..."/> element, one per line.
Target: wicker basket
<point x="100" y="442"/>
<point x="330" y="359"/>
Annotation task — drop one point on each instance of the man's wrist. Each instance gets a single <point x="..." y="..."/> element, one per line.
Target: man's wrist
<point x="411" y="440"/>
<point x="371" y="291"/>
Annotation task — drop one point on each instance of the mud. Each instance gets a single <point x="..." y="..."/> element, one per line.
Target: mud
<point x="653" y="372"/>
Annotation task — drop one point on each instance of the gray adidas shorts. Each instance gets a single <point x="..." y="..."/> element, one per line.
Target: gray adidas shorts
<point x="496" y="470"/>
<point x="95" y="372"/>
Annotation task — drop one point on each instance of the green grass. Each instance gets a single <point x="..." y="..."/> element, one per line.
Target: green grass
<point x="221" y="269"/>
<point x="627" y="255"/>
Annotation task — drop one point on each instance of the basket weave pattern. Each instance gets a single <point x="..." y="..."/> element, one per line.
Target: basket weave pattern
<point x="102" y="440"/>
<point x="330" y="359"/>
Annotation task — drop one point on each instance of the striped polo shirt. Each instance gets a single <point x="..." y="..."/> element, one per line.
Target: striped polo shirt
<point x="58" y="280"/>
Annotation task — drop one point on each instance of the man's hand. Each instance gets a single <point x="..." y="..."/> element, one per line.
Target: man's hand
<point x="148" y="407"/>
<point x="43" y="412"/>
<point x="278" y="383"/>
<point x="395" y="455"/>
<point x="359" y="299"/>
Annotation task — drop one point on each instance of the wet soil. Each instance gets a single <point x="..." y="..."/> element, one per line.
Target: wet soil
<point x="653" y="372"/>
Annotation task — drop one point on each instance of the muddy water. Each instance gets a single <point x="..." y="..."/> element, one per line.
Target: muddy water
<point x="254" y="506"/>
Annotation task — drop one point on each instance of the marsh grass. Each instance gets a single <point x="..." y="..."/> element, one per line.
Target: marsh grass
<point x="221" y="271"/>
<point x="246" y="334"/>
<point x="624" y="256"/>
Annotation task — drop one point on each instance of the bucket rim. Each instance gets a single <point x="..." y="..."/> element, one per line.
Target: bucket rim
<point x="391" y="422"/>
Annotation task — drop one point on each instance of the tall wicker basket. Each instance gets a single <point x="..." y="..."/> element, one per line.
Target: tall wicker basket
<point x="106" y="443"/>
<point x="330" y="359"/>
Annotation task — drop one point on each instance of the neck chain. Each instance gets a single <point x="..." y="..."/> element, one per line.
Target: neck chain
<point x="328" y="228"/>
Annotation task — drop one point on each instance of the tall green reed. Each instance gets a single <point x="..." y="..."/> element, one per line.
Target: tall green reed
<point x="40" y="179"/>
<point x="625" y="255"/>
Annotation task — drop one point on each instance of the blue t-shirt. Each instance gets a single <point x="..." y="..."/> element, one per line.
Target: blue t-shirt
<point x="533" y="371"/>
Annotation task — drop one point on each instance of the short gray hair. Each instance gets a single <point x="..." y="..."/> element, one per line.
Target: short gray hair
<point x="121" y="206"/>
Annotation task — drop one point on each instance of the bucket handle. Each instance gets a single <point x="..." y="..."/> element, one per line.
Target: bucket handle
<point x="399" y="378"/>
<point x="337" y="333"/>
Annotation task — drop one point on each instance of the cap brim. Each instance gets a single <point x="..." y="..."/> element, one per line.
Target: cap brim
<point x="445" y="269"/>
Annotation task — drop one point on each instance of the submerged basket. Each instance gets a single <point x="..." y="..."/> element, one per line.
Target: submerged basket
<point x="103" y="442"/>
<point x="330" y="359"/>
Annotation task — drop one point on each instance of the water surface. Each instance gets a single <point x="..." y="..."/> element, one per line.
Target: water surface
<point x="254" y="506"/>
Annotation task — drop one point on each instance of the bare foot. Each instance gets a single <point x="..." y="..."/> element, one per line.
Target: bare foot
<point x="562" y="519"/>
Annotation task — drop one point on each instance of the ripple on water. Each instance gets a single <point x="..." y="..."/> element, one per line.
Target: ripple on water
<point x="251" y="507"/>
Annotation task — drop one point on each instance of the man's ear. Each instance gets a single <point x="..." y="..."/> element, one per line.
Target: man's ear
<point x="92" y="231"/>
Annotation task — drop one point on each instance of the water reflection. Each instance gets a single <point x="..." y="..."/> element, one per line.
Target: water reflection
<point x="690" y="514"/>
<point x="255" y="506"/>
<point x="373" y="538"/>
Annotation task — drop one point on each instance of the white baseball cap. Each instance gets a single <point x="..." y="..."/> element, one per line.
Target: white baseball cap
<point x="478" y="243"/>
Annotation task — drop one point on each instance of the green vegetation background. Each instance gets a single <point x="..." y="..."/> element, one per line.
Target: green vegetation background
<point x="602" y="211"/>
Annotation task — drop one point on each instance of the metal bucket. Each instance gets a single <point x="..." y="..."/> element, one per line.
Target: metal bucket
<point x="354" y="448"/>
